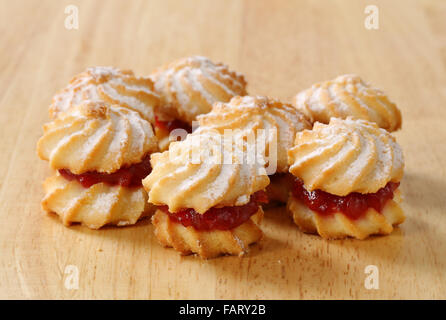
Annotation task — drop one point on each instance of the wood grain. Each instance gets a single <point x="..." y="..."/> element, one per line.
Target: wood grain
<point x="281" y="47"/>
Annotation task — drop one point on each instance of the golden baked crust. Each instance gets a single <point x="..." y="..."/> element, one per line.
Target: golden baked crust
<point x="247" y="115"/>
<point x="204" y="171"/>
<point x="346" y="156"/>
<point x="338" y="226"/>
<point x="96" y="206"/>
<point x="110" y="85"/>
<point x="207" y="244"/>
<point x="348" y="95"/>
<point x="94" y="136"/>
<point x="189" y="86"/>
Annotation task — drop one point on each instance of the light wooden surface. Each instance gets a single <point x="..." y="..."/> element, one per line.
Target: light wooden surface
<point x="281" y="47"/>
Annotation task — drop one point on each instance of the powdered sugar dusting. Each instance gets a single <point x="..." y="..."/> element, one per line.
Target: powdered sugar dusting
<point x="181" y="181"/>
<point x="346" y="156"/>
<point x="348" y="95"/>
<point x="99" y="84"/>
<point x="195" y="77"/>
<point x="272" y="124"/>
<point x="104" y="138"/>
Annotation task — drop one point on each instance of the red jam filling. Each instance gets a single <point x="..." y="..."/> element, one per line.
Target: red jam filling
<point x="353" y="205"/>
<point x="172" y="125"/>
<point x="127" y="177"/>
<point x="224" y="218"/>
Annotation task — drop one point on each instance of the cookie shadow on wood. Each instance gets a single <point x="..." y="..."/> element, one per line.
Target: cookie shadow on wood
<point x="423" y="191"/>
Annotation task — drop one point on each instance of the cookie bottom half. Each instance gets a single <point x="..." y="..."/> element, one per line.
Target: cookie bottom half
<point x="96" y="206"/>
<point x="338" y="226"/>
<point x="207" y="244"/>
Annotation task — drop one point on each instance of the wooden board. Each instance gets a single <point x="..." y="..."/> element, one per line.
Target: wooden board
<point x="281" y="47"/>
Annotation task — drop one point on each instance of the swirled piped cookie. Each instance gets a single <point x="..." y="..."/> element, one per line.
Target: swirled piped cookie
<point x="189" y="87"/>
<point x="271" y="120"/>
<point x="100" y="154"/>
<point x="348" y="96"/>
<point x="347" y="175"/>
<point x="270" y="124"/>
<point x="110" y="85"/>
<point x="207" y="194"/>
